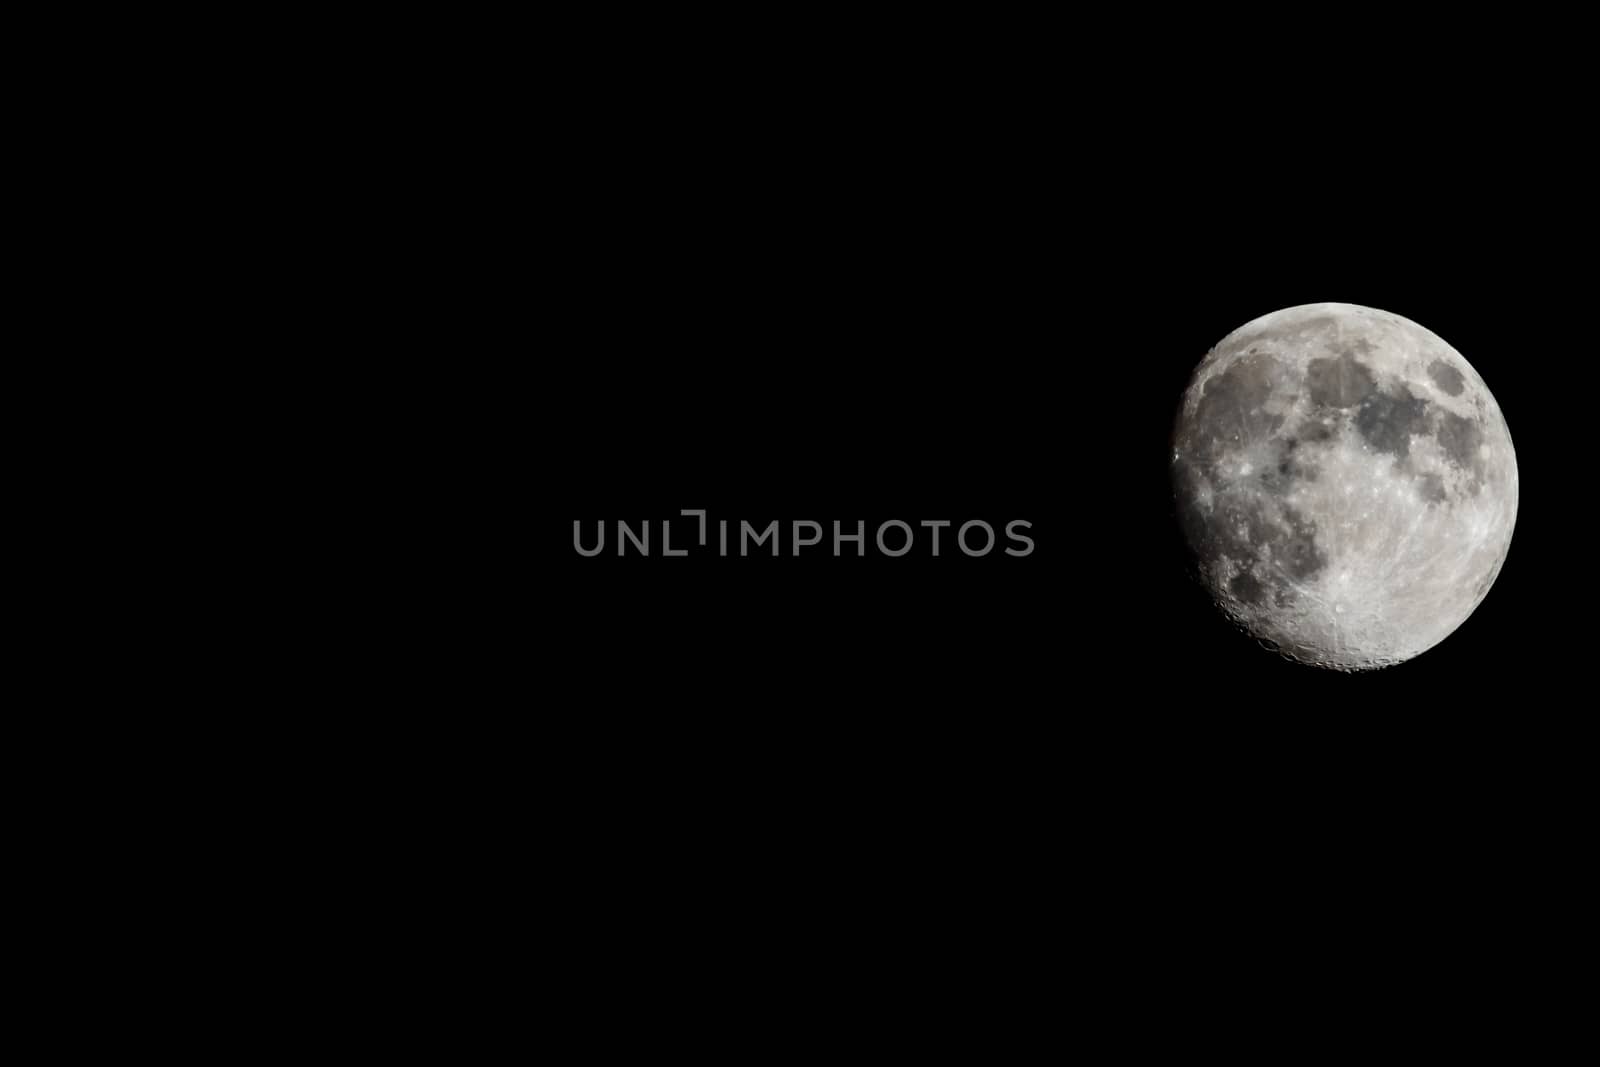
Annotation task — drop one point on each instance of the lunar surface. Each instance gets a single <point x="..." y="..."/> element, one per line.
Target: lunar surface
<point x="1346" y="482"/>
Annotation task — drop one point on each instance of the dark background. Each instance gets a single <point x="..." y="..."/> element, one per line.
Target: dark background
<point x="916" y="340"/>
<point x="871" y="304"/>
<point x="928" y="270"/>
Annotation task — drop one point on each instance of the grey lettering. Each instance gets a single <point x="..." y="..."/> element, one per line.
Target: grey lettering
<point x="666" y="540"/>
<point x="859" y="537"/>
<point x="1012" y="533"/>
<point x="770" y="533"/>
<point x="624" y="531"/>
<point x="578" y="544"/>
<point x="798" y="544"/>
<point x="961" y="537"/>
<point x="702" y="514"/>
<point x="910" y="536"/>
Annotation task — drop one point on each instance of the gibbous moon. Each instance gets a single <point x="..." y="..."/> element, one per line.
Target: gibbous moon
<point x="1346" y="482"/>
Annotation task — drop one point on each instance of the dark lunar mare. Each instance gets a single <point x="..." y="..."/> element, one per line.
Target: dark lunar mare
<point x="1231" y="407"/>
<point x="1431" y="486"/>
<point x="1459" y="438"/>
<point x="1446" y="377"/>
<point x="1339" y="382"/>
<point x="1388" y="420"/>
<point x="1269" y="544"/>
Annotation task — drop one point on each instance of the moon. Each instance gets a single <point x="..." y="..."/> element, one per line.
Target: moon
<point x="1346" y="483"/>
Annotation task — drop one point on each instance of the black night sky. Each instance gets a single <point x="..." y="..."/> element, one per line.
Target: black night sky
<point x="920" y="358"/>
<point x="993" y="316"/>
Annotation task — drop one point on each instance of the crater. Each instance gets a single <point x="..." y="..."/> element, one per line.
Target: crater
<point x="1247" y="588"/>
<point x="1446" y="377"/>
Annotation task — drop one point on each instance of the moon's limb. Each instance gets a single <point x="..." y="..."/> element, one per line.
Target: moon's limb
<point x="1346" y="481"/>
